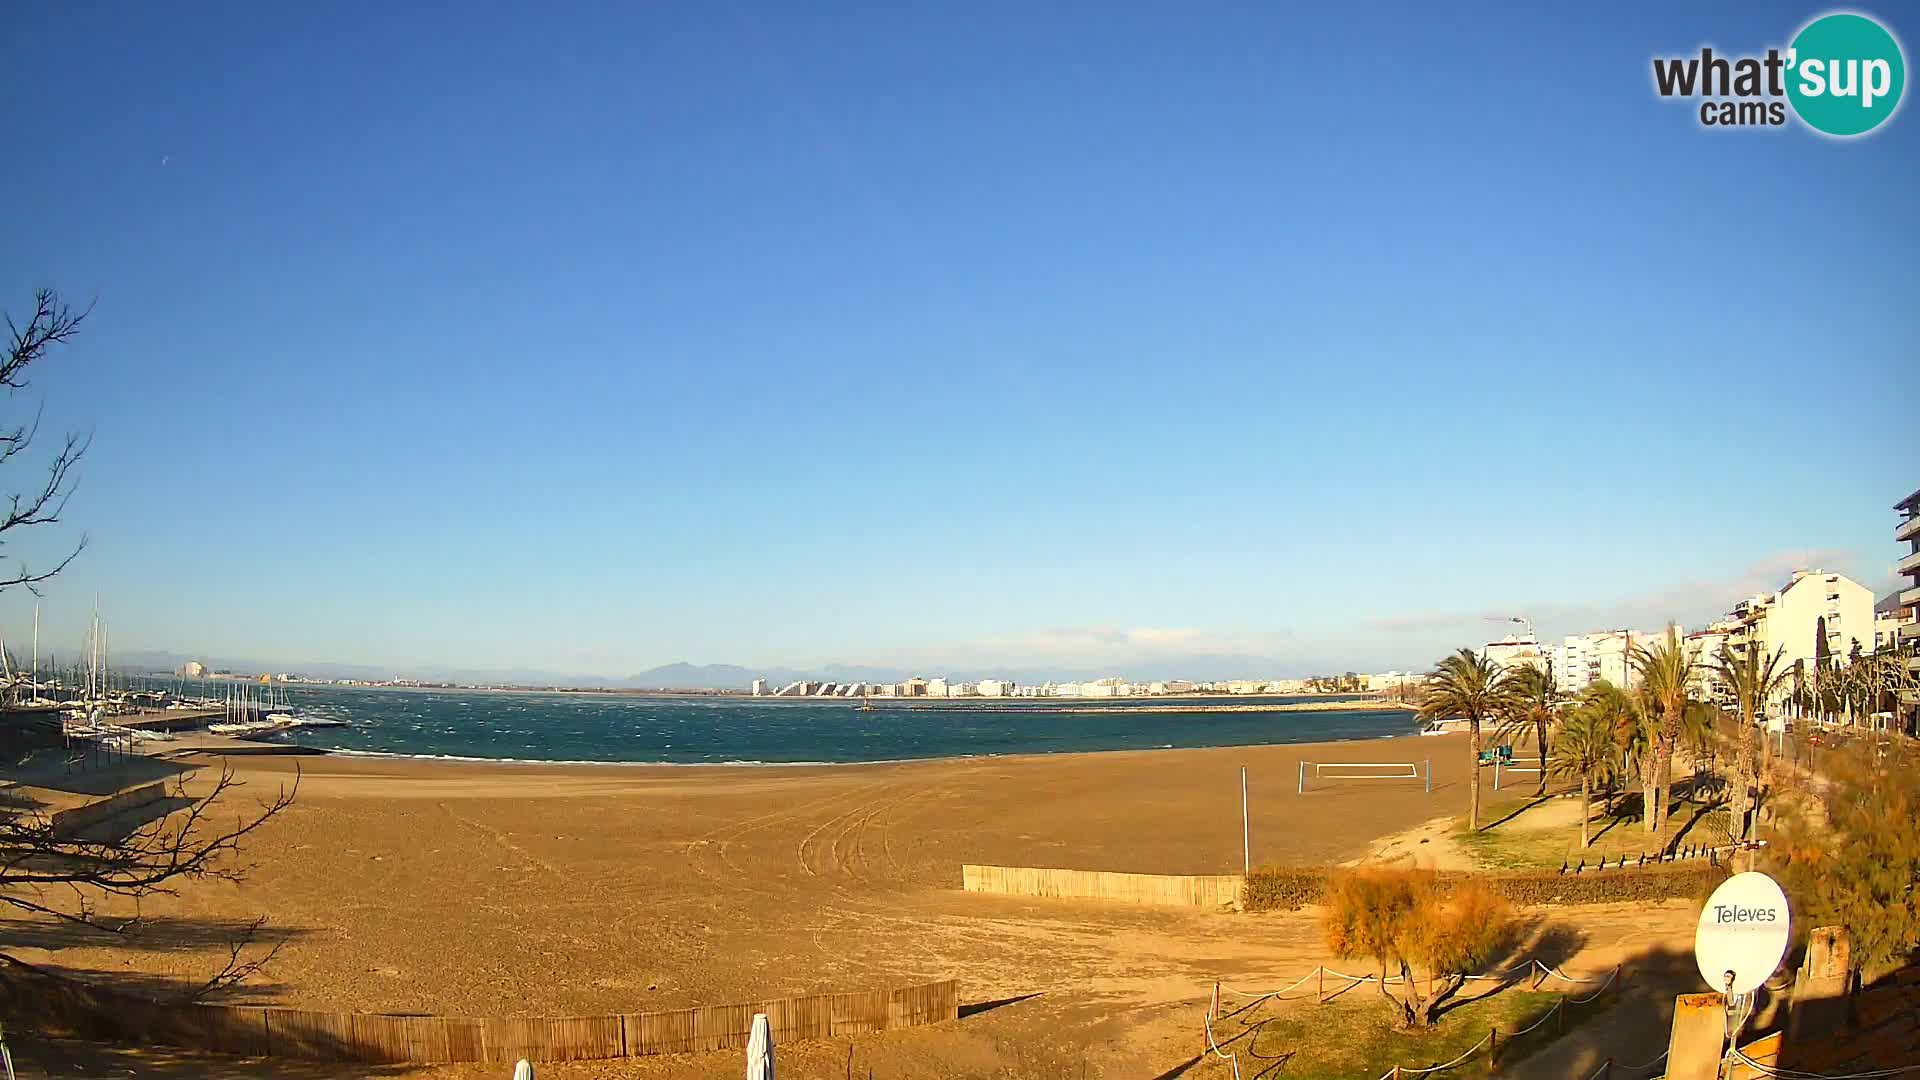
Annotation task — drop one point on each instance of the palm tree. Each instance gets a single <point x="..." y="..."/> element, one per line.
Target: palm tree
<point x="1754" y="681"/>
<point x="1584" y="745"/>
<point x="1467" y="685"/>
<point x="1665" y="670"/>
<point x="1698" y="736"/>
<point x="1620" y="715"/>
<point x="1534" y="698"/>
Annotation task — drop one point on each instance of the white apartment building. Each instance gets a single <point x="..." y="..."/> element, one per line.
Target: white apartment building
<point x="759" y="687"/>
<point x="1707" y="648"/>
<point x="1516" y="652"/>
<point x="1581" y="660"/>
<point x="1886" y="630"/>
<point x="1815" y="614"/>
<point x="1392" y="681"/>
<point x="1908" y="601"/>
<point x="936" y="688"/>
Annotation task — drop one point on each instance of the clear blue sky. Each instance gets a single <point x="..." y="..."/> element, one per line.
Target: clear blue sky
<point x="589" y="339"/>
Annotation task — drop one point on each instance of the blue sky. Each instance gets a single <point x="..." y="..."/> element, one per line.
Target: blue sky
<point x="597" y="338"/>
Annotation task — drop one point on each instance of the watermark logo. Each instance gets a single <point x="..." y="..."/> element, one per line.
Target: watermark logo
<point x="1843" y="75"/>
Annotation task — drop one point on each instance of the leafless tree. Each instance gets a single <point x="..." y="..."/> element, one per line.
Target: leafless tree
<point x="52" y="323"/>
<point x="63" y="874"/>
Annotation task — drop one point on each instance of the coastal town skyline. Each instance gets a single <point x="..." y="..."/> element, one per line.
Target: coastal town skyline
<point x="1224" y="673"/>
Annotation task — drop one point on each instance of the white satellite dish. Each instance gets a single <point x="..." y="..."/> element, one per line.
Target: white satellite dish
<point x="1742" y="933"/>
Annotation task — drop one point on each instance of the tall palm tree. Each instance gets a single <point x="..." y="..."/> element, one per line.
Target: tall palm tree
<point x="1621" y="716"/>
<point x="1665" y="670"/>
<point x="1467" y="685"/>
<point x="1699" y="738"/>
<point x="1585" y="745"/>
<point x="1754" y="680"/>
<point x="1534" y="699"/>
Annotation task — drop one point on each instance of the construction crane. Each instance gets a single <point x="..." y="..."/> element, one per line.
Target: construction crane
<point x="1520" y="619"/>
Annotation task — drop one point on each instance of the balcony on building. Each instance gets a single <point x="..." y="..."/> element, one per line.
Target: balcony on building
<point x="1909" y="528"/>
<point x="1910" y="564"/>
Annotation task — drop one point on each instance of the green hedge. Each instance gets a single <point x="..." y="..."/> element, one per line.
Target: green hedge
<point x="1277" y="888"/>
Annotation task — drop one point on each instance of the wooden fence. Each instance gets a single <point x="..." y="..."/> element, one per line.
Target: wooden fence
<point x="1177" y="890"/>
<point x="59" y="1006"/>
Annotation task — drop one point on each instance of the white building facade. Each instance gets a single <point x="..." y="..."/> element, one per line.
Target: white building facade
<point x="1815" y="616"/>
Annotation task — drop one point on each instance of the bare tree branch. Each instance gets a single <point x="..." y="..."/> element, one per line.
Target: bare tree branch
<point x="238" y="967"/>
<point x="53" y="323"/>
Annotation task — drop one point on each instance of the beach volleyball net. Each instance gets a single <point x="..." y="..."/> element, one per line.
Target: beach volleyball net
<point x="1323" y="775"/>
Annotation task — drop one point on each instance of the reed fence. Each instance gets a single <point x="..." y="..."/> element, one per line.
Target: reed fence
<point x="59" y="1006"/>
<point x="1177" y="890"/>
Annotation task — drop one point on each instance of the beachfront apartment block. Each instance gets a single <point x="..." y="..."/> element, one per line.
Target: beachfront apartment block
<point x="1907" y="604"/>
<point x="1708" y="650"/>
<point x="1388" y="682"/>
<point x="1513" y="652"/>
<point x="1580" y="660"/>
<point x="1815" y="618"/>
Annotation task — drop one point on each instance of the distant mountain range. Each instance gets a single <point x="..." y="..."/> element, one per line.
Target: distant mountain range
<point x="686" y="676"/>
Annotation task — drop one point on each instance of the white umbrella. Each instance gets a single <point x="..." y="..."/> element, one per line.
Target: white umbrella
<point x="760" y="1049"/>
<point x="524" y="1070"/>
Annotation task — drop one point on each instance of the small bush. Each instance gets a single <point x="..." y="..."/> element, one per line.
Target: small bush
<point x="1411" y="920"/>
<point x="1275" y="888"/>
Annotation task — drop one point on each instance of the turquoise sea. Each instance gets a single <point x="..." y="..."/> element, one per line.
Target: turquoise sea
<point x="717" y="730"/>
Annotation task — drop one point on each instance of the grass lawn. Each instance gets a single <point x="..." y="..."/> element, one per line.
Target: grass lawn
<point x="1528" y="833"/>
<point x="1353" y="1038"/>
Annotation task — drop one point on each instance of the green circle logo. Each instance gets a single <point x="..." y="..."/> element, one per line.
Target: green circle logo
<point x="1845" y="74"/>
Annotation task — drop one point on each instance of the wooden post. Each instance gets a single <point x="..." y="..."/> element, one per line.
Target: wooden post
<point x="1606" y="1071"/>
<point x="1246" y="842"/>
<point x="1560" y="1016"/>
<point x="1493" y="1044"/>
<point x="1320" y="985"/>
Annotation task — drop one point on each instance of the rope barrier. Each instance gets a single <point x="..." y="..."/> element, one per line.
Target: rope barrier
<point x="1231" y="1059"/>
<point x="1471" y="1050"/>
<point x="1270" y="993"/>
<point x="1558" y="1008"/>
<point x="1597" y="993"/>
<point x="1396" y="980"/>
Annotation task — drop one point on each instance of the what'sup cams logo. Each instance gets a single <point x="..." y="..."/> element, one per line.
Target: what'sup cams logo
<point x="1843" y="76"/>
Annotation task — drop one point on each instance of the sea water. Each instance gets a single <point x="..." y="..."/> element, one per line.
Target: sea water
<point x="592" y="727"/>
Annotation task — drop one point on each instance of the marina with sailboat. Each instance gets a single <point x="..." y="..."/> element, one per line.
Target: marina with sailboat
<point x="90" y="703"/>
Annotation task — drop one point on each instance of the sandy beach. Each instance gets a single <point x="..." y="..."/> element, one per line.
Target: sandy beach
<point x="415" y="886"/>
